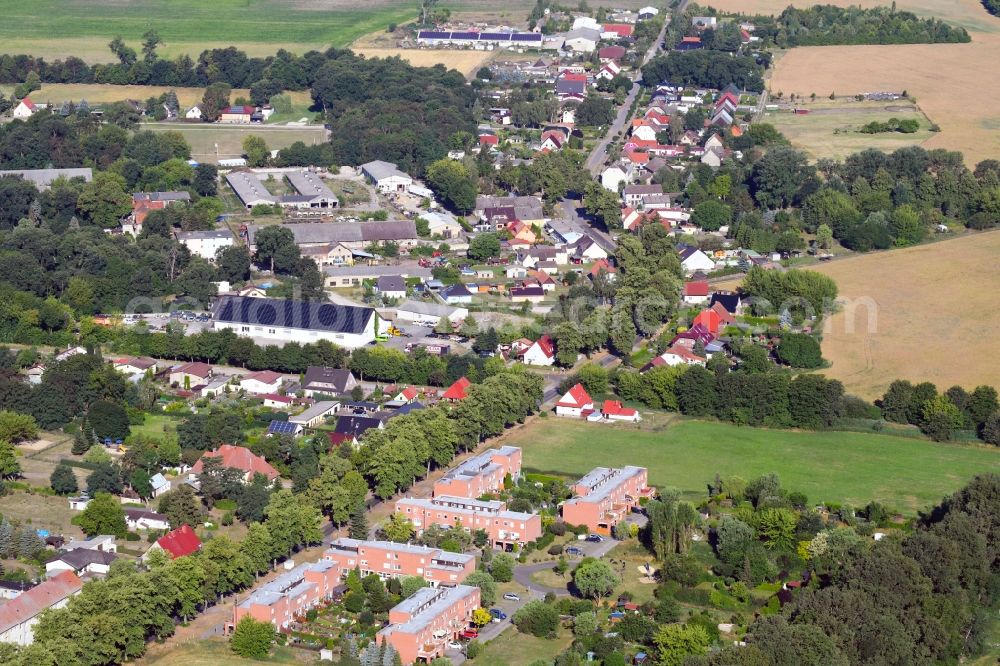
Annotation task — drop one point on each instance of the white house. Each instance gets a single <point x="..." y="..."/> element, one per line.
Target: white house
<point x="386" y="176"/>
<point x="613" y="410"/>
<point x="19" y="615"/>
<point x="25" y="109"/>
<point x="587" y="249"/>
<point x="575" y="402"/>
<point x="160" y="484"/>
<point x="215" y="387"/>
<point x="81" y="561"/>
<point x="194" y="113"/>
<point x="693" y="260"/>
<point x="647" y="13"/>
<point x="192" y="374"/>
<point x="613" y="178"/>
<point x="264" y="381"/>
<point x="582" y="40"/>
<point x="541" y="352"/>
<point x="144" y="519"/>
<point x="295" y="321"/>
<point x="457" y="294"/>
<point x="316" y="414"/>
<point x="644" y="132"/>
<point x="680" y="355"/>
<point x="391" y="286"/>
<point x="609" y="71"/>
<point x="205" y="243"/>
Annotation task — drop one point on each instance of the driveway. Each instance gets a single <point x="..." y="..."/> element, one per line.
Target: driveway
<point x="523" y="573"/>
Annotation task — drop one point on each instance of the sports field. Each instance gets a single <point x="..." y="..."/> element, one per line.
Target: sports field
<point x="831" y="128"/>
<point x="55" y="29"/>
<point x="906" y="474"/>
<point x="940" y="76"/>
<point x="937" y="310"/>
<point x="210" y="143"/>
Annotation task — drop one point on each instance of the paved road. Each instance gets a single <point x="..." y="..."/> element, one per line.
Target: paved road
<point x="597" y="157"/>
<point x="523" y="573"/>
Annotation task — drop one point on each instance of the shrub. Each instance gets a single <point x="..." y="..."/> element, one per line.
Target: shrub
<point x="536" y="618"/>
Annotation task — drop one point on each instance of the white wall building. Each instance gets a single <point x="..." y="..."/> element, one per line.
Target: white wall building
<point x="205" y="244"/>
<point x="283" y="320"/>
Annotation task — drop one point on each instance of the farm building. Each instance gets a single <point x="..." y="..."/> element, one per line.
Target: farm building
<point x="287" y="320"/>
<point x="386" y="176"/>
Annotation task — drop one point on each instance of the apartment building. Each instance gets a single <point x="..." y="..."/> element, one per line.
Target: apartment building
<point x="290" y="595"/>
<point x="605" y="496"/>
<point x="420" y="627"/>
<point x="399" y="560"/>
<point x="504" y="528"/>
<point x="482" y="474"/>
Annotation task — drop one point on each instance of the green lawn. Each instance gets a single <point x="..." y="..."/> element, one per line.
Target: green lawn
<point x="210" y="143"/>
<point x="157" y="425"/>
<point x="84" y="27"/>
<point x="906" y="474"/>
<point x="216" y="652"/>
<point x="513" y="647"/>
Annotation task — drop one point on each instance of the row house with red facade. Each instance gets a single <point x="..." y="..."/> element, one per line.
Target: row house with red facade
<point x="605" y="496"/>
<point x="482" y="474"/>
<point x="290" y="595"/>
<point x="421" y="626"/>
<point x="399" y="560"/>
<point x="504" y="528"/>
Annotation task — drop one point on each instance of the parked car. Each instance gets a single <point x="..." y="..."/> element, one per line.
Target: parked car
<point x="595" y="538"/>
<point x="454" y="645"/>
<point x="497" y="614"/>
<point x="470" y="633"/>
<point x="573" y="550"/>
<point x="510" y="596"/>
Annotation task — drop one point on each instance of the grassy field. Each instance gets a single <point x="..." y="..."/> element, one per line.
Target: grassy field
<point x="935" y="310"/>
<point x="203" y="138"/>
<point x="157" y="425"/>
<point x="831" y="128"/>
<point x="513" y="647"/>
<point x="940" y="76"/>
<point x="907" y="474"/>
<point x="217" y="653"/>
<point x="261" y="27"/>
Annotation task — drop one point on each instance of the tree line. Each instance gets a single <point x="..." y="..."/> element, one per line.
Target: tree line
<point x="706" y="69"/>
<point x="827" y="25"/>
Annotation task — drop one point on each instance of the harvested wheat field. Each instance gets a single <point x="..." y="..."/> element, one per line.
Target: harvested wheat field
<point x="926" y="313"/>
<point x="943" y="77"/>
<point x="467" y="62"/>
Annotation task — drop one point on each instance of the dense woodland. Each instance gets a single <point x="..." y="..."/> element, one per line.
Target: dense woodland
<point x="827" y="25"/>
<point x="992" y="6"/>
<point x="706" y="69"/>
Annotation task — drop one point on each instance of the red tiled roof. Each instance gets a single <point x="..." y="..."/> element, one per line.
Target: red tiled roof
<point x="566" y="76"/>
<point x="488" y="139"/>
<point x="239" y="458"/>
<point x="724" y="316"/>
<point x="338" y="438"/>
<point x="602" y="265"/>
<point x="409" y="393"/>
<point x="277" y="397"/>
<point x="684" y="353"/>
<point x="263" y="376"/>
<point x="620" y="29"/>
<point x="457" y="391"/>
<point x="575" y="397"/>
<point x="180" y="542"/>
<point x="611" y="52"/>
<point x="709" y="319"/>
<point x="615" y="408"/>
<point x="28" y="103"/>
<point x="699" y="288"/>
<point x="195" y="368"/>
<point x="545" y="344"/>
<point x="32" y="602"/>
<point x="691" y="40"/>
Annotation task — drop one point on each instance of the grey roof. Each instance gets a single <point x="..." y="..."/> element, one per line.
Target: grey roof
<point x="525" y="208"/>
<point x="286" y="313"/>
<point x="391" y="283"/>
<point x="643" y="189"/>
<point x="570" y="87"/>
<point x="343" y="232"/>
<point x="466" y="505"/>
<point x="133" y="513"/>
<point x="162" y="196"/>
<point x="309" y="185"/>
<point x="289" y="584"/>
<point x="475" y="465"/>
<point x="248" y="187"/>
<point x="321" y="408"/>
<point x="194" y="235"/>
<point x="588" y="33"/>
<point x="83" y="557"/>
<point x="602" y="480"/>
<point x="327" y="380"/>
<point x="458" y="290"/>
<point x="425" y="605"/>
<point x="378" y="271"/>
<point x="379" y="169"/>
<point x="42" y="178"/>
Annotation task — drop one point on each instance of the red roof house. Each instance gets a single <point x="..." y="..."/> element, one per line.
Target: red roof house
<point x="240" y="458"/>
<point x="576" y="402"/>
<point x="408" y="394"/>
<point x="602" y="265"/>
<point x="180" y="542"/>
<point x="620" y="29"/>
<point x="696" y="291"/>
<point x="541" y="352"/>
<point x="457" y="391"/>
<point x="611" y="53"/>
<point x="613" y="410"/>
<point x="725" y="318"/>
<point x="709" y="319"/>
<point x="489" y="140"/>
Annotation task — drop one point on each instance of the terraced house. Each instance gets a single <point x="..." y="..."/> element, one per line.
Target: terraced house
<point x="605" y="496"/>
<point x="504" y="528"/>
<point x="482" y="474"/>
<point x="289" y="595"/>
<point x="399" y="560"/>
<point x="421" y="627"/>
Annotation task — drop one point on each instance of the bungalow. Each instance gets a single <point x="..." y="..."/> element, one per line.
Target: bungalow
<point x="277" y="401"/>
<point x="576" y="402"/>
<point x="81" y="561"/>
<point x="264" y="381"/>
<point x="614" y="411"/>
<point x="159" y="484"/>
<point x="176" y="543"/>
<point x="541" y="352"/>
<point x="587" y="249"/>
<point x="190" y="374"/>
<point x="611" y="53"/>
<point x="614" y="177"/>
<point x="235" y="115"/>
<point x="541" y="279"/>
<point x="617" y="31"/>
<point x="457" y="391"/>
<point x="680" y="355"/>
<point x="25" y="109"/>
<point x="693" y="259"/>
<point x="526" y="294"/>
<point x="131" y="365"/>
<point x="316" y="414"/>
<point x="215" y="387"/>
<point x="689" y="44"/>
<point x="696" y="292"/>
<point x="144" y="519"/>
<point x="457" y="294"/>
<point x="391" y="286"/>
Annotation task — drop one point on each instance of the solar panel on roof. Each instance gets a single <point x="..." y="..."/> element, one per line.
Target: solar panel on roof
<point x="465" y="35"/>
<point x="490" y="36"/>
<point x="432" y="34"/>
<point x="281" y="428"/>
<point x="526" y="37"/>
